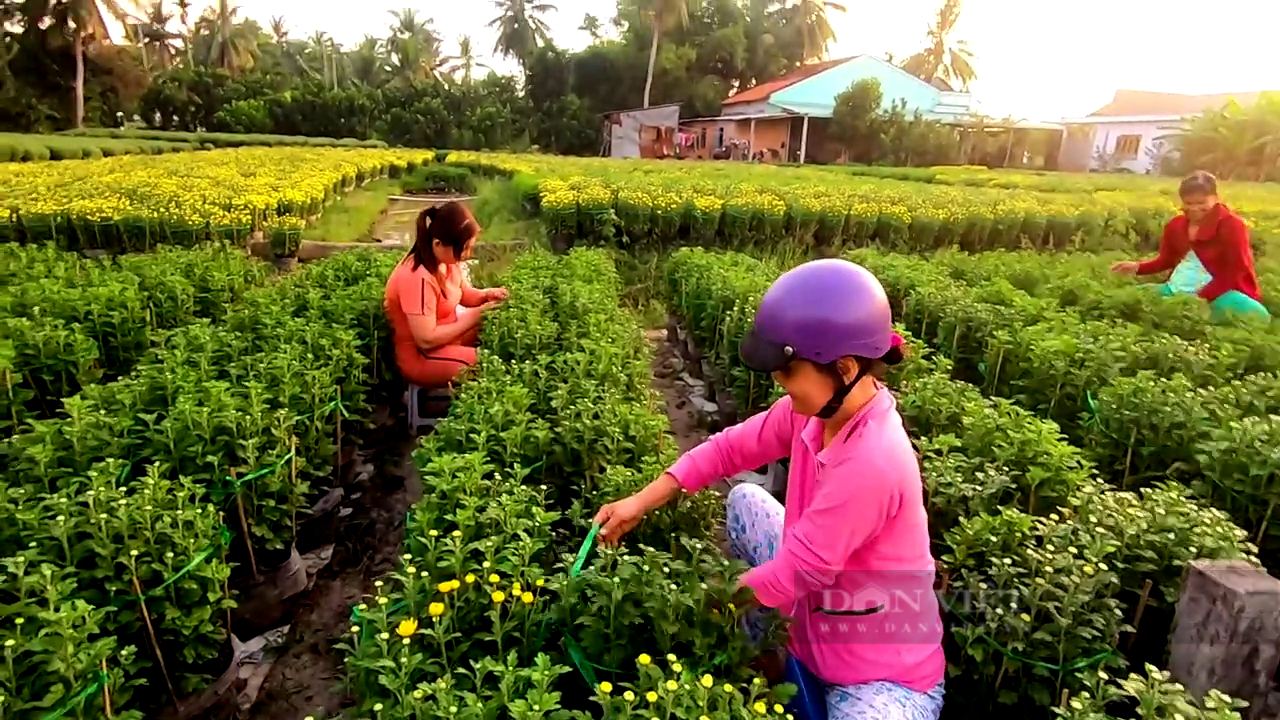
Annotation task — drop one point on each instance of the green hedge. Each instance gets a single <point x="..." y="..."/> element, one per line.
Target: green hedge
<point x="214" y="139"/>
<point x="17" y="147"/>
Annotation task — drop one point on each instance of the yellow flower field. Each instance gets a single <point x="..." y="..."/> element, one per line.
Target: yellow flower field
<point x="137" y="200"/>
<point x="604" y="200"/>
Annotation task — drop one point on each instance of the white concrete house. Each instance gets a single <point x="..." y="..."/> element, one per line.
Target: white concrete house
<point x="1132" y="130"/>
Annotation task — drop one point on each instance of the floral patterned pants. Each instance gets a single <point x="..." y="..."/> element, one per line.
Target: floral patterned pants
<point x="754" y="527"/>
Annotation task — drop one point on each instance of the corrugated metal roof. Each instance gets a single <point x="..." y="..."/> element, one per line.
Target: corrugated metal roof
<point x="764" y="90"/>
<point x="1141" y="103"/>
<point x="631" y="110"/>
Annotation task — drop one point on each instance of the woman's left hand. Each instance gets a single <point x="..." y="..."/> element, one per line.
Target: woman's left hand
<point x="498" y="294"/>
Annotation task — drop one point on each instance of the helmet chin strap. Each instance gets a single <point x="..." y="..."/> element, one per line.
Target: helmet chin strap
<point x="833" y="405"/>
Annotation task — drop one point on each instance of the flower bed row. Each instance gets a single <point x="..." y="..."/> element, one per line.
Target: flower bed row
<point x="117" y="548"/>
<point x="69" y="321"/>
<point x="499" y="610"/>
<point x="1259" y="198"/>
<point x="1084" y="284"/>
<point x="137" y="202"/>
<point x="1144" y="405"/>
<point x="1046" y="565"/>
<point x="603" y="201"/>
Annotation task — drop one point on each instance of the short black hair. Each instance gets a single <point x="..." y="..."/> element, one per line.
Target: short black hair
<point x="1199" y="182"/>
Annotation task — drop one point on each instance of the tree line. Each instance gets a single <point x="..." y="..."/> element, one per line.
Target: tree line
<point x="220" y="71"/>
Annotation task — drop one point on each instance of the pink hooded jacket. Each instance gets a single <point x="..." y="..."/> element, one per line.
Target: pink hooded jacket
<point x="855" y="571"/>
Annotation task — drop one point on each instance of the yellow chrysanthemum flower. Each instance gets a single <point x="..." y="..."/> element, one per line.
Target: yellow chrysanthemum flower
<point x="606" y="687"/>
<point x="651" y="696"/>
<point x="435" y="609"/>
<point x="407" y="627"/>
<point x="498" y="596"/>
<point x="644" y="659"/>
<point x="707" y="681"/>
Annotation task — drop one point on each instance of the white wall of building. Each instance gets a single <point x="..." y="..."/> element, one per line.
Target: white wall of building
<point x="1137" y="141"/>
<point x="624" y="138"/>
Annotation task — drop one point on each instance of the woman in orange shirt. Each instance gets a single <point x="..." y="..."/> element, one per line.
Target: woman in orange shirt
<point x="434" y="311"/>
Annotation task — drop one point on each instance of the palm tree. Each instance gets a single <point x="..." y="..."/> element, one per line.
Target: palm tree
<point x="591" y="26"/>
<point x="464" y="62"/>
<point x="83" y="21"/>
<point x="154" y="37"/>
<point x="808" y="20"/>
<point x="367" y="61"/>
<point x="943" y="57"/>
<point x="407" y="24"/>
<point x="519" y="27"/>
<point x="279" y="31"/>
<point x="662" y="16"/>
<point x="226" y="42"/>
<point x="414" y="47"/>
<point x="184" y="17"/>
<point x="322" y="45"/>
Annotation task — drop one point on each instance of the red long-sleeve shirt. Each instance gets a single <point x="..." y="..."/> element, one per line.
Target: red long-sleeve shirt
<point x="1221" y="243"/>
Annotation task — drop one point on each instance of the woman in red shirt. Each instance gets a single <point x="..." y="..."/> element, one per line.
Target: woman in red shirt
<point x="1207" y="248"/>
<point x="434" y="311"/>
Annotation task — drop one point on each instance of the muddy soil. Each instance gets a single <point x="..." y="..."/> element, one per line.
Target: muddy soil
<point x="365" y="529"/>
<point x="308" y="678"/>
<point x="687" y="427"/>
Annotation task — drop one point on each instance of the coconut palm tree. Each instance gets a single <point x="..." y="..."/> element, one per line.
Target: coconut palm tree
<point x="279" y="31"/>
<point x="368" y="63"/>
<point x="83" y="21"/>
<point x="326" y="54"/>
<point x="591" y="26"/>
<point x="408" y="24"/>
<point x="464" y="62"/>
<point x="414" y="47"/>
<point x="520" y="28"/>
<point x="808" y="20"/>
<point x="184" y="18"/>
<point x="944" y="57"/>
<point x="154" y="38"/>
<point x="662" y="16"/>
<point x="226" y="42"/>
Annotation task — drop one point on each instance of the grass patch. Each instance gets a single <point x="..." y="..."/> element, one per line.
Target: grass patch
<point x="351" y="218"/>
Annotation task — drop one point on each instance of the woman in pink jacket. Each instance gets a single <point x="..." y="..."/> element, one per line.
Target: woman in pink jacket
<point x="848" y="559"/>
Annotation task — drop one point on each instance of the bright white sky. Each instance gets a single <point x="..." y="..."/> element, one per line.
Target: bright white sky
<point x="1037" y="59"/>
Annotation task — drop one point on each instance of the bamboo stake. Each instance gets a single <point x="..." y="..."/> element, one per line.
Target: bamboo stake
<point x="226" y="581"/>
<point x="1065" y="695"/>
<point x="1262" y="529"/>
<point x="1137" y="617"/>
<point x="155" y="644"/>
<point x="337" y="436"/>
<point x="293" y="483"/>
<point x="244" y="525"/>
<point x="106" y="691"/>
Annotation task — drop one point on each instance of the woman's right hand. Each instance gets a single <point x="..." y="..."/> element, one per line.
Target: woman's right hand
<point x="619" y="518"/>
<point x="1125" y="267"/>
<point x="489" y="305"/>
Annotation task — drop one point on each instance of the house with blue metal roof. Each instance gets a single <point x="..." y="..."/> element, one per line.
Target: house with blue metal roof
<point x="773" y="119"/>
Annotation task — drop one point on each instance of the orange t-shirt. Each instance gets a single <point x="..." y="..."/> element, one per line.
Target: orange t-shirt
<point x="418" y="291"/>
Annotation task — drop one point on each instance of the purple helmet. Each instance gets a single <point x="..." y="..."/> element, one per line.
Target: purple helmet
<point x="820" y="311"/>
